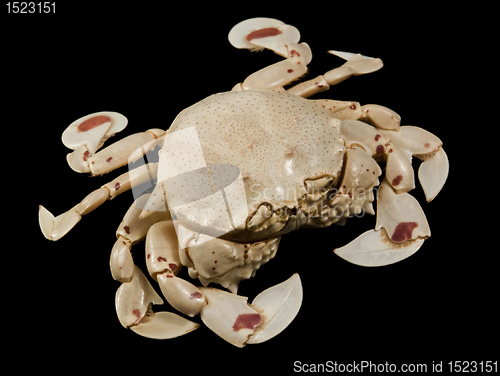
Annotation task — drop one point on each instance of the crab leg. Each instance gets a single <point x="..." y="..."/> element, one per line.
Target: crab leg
<point x="54" y="228"/>
<point x="163" y="262"/>
<point x="355" y="65"/>
<point x="135" y="295"/>
<point x="131" y="230"/>
<point x="260" y="33"/>
<point x="282" y="73"/>
<point x="87" y="134"/>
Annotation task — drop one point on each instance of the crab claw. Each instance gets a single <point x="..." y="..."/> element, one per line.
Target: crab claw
<point x="373" y="248"/>
<point x="278" y="305"/>
<point x="164" y="325"/>
<point x="133" y="306"/>
<point x="259" y="33"/>
<point x="400" y="231"/>
<point x="229" y="316"/>
<point x="400" y="215"/>
<point x="233" y="319"/>
<point x="87" y="134"/>
<point x="424" y="145"/>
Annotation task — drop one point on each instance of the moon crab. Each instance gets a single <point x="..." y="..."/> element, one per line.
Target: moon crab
<point x="238" y="170"/>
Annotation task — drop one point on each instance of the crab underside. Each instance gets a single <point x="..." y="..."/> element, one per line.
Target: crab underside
<point x="238" y="170"/>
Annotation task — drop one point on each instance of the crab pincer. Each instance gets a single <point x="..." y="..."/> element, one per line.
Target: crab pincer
<point x="422" y="144"/>
<point x="133" y="306"/>
<point x="240" y="323"/>
<point x="400" y="231"/>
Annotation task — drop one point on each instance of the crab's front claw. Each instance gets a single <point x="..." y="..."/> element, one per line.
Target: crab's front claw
<point x="234" y="320"/>
<point x="400" y="215"/>
<point x="229" y="316"/>
<point x="400" y="231"/>
<point x="427" y="147"/>
<point x="133" y="306"/>
<point x="279" y="305"/>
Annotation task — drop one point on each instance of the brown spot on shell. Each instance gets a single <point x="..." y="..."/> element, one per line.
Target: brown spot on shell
<point x="403" y="231"/>
<point x="93" y="122"/>
<point x="397" y="180"/>
<point x="247" y="321"/>
<point x="263" y="33"/>
<point x="195" y="295"/>
<point x="137" y="313"/>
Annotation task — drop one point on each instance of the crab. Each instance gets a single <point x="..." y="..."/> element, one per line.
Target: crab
<point x="238" y="170"/>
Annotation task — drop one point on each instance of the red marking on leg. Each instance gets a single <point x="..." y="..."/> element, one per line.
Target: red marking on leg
<point x="86" y="155"/>
<point x="93" y="122"/>
<point x="195" y="295"/>
<point x="109" y="159"/>
<point x="263" y="33"/>
<point x="352" y="107"/>
<point x="160" y="259"/>
<point x="172" y="266"/>
<point x="403" y="231"/>
<point x="170" y="276"/>
<point x="137" y="313"/>
<point x="290" y="71"/>
<point x="377" y="137"/>
<point x="427" y="145"/>
<point x="380" y="149"/>
<point x="397" y="180"/>
<point x="127" y="229"/>
<point x="294" y="53"/>
<point x="247" y="321"/>
<point x="117" y="186"/>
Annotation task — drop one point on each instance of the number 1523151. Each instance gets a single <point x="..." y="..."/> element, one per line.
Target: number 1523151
<point x="41" y="7"/>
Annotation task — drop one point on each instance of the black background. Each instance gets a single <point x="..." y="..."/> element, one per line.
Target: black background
<point x="149" y="62"/>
